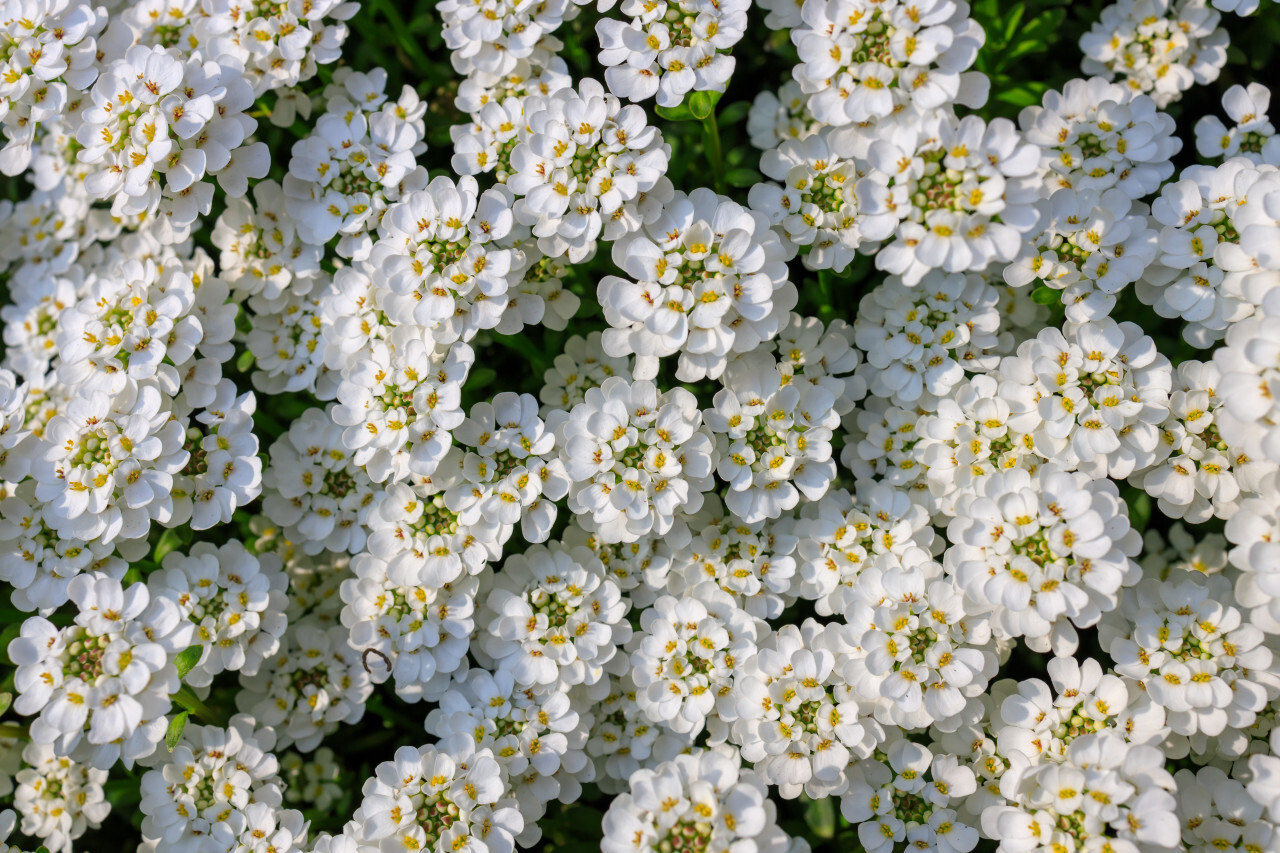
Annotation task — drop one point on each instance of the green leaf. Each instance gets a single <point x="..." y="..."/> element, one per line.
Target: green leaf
<point x="8" y="635"/>
<point x="6" y="699"/>
<point x="703" y="104"/>
<point x="187" y="659"/>
<point x="1023" y="95"/>
<point x="177" y="726"/>
<point x="735" y="112"/>
<point x="1139" y="509"/>
<point x="1044" y="295"/>
<point x="820" y="815"/>
<point x="678" y="113"/>
<point x="170" y="540"/>
<point x="186" y="698"/>
<point x="743" y="177"/>
<point x="481" y="377"/>
<point x="245" y="361"/>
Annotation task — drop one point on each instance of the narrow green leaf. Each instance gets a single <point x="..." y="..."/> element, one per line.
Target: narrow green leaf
<point x="6" y="699"/>
<point x="1013" y="18"/>
<point x="170" y="540"/>
<point x="743" y="177"/>
<point x="1043" y="295"/>
<point x="177" y="726"/>
<point x="186" y="698"/>
<point x="680" y="113"/>
<point x="187" y="659"/>
<point x="820" y="815"/>
<point x="481" y="377"/>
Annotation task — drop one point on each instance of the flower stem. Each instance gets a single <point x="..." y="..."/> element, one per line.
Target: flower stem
<point x="711" y="147"/>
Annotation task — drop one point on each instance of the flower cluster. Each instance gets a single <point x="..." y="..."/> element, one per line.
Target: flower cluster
<point x="863" y="444"/>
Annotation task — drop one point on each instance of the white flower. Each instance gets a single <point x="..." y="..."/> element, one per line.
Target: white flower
<point x="437" y="799"/>
<point x="101" y="686"/>
<point x="973" y="435"/>
<point x="315" y="683"/>
<point x="157" y="125"/>
<point x="507" y="469"/>
<point x="1047" y="552"/>
<point x="261" y="252"/>
<point x="633" y="457"/>
<point x="1096" y="135"/>
<point x="641" y="568"/>
<point x="552" y="618"/>
<point x="223" y="471"/>
<point x="1253" y="530"/>
<point x="583" y="365"/>
<point x="493" y="36"/>
<point x="1102" y="386"/>
<point x="923" y="654"/>
<point x="359" y="159"/>
<point x="236" y="600"/>
<point x="816" y="205"/>
<point x="273" y="48"/>
<point x="885" y="443"/>
<point x="142" y="319"/>
<point x="583" y="168"/>
<point x="542" y="72"/>
<point x="841" y="536"/>
<point x="50" y="58"/>
<point x="38" y="563"/>
<point x="1182" y="551"/>
<point x="1250" y="369"/>
<point x="669" y="49"/>
<point x="108" y="464"/>
<point x="315" y="489"/>
<point x="1105" y="792"/>
<point x="861" y="60"/>
<point x="1189" y="646"/>
<point x="776" y="117"/>
<point x="907" y="793"/>
<point x="957" y="194"/>
<point x="707" y="279"/>
<point x="211" y="777"/>
<point x="1040" y="723"/>
<point x="1091" y="248"/>
<point x="1252" y="135"/>
<point x="288" y="341"/>
<point x="699" y="801"/>
<point x="536" y="736"/>
<point x="686" y="657"/>
<point x="1208" y="272"/>
<point x="404" y="620"/>
<point x="1219" y="813"/>
<point x="622" y="739"/>
<point x="1163" y="47"/>
<point x="752" y="561"/>
<point x="921" y="340"/>
<point x="773" y="438"/>
<point x="58" y="798"/>
<point x="1202" y="476"/>
<point x="799" y="721"/>
<point x="444" y="253"/>
<point x="399" y="404"/>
